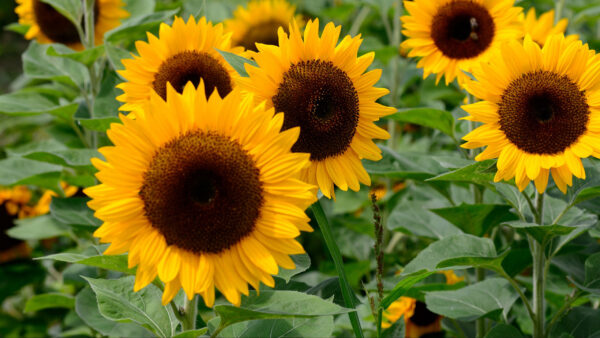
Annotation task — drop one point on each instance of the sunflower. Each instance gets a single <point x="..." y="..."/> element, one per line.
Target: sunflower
<point x="321" y="88"/>
<point x="418" y="320"/>
<point x="453" y="36"/>
<point x="47" y="25"/>
<point x="544" y="27"/>
<point x="203" y="193"/>
<point x="260" y="22"/>
<point x="540" y="109"/>
<point x="183" y="52"/>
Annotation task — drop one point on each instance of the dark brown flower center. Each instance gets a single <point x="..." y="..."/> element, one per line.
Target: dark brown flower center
<point x="7" y="221"/>
<point x="55" y="26"/>
<point x="422" y="316"/>
<point x="543" y="112"/>
<point x="321" y="99"/>
<point x="203" y="192"/>
<point x="263" y="32"/>
<point x="462" y="29"/>
<point x="191" y="66"/>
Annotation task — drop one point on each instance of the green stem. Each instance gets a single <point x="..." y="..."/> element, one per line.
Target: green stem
<point x="539" y="274"/>
<point x="347" y="293"/>
<point x="480" y="323"/>
<point x="516" y="286"/>
<point x="395" y="38"/>
<point x="566" y="306"/>
<point x="190" y="313"/>
<point x="358" y="20"/>
<point x="560" y="5"/>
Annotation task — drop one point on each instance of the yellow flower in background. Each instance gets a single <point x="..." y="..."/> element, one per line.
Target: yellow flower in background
<point x="540" y="29"/>
<point x="47" y="25"/>
<point x="260" y="22"/>
<point x="453" y="36"/>
<point x="203" y="193"/>
<point x="540" y="109"/>
<point x="184" y="52"/>
<point x="321" y="86"/>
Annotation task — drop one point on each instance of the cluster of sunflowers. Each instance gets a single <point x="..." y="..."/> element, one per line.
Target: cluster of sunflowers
<point x="210" y="172"/>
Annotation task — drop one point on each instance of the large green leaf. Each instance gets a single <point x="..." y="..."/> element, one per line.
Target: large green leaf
<point x="488" y="298"/>
<point x="73" y="211"/>
<point x="419" y="221"/>
<point x="427" y="117"/>
<point x="86" y="56"/>
<point x="450" y="247"/>
<point x="492" y="263"/>
<point x="100" y="124"/>
<point x="403" y="286"/>
<point x="404" y="165"/>
<point x="118" y="302"/>
<point x="86" y="306"/>
<point x="106" y="104"/>
<point x="504" y="331"/>
<point x="541" y="233"/>
<point x="591" y="283"/>
<point x="108" y="262"/>
<point x="579" y="322"/>
<point x="302" y="264"/>
<point x="18" y="170"/>
<point x="37" y="64"/>
<point x="476" y="219"/>
<point x="48" y="301"/>
<point x="284" y="327"/>
<point x="40" y="227"/>
<point x="70" y="9"/>
<point x="237" y="62"/>
<point x="60" y="155"/>
<point x="480" y="172"/>
<point x="135" y="28"/>
<point x="25" y="103"/>
<point x="277" y="304"/>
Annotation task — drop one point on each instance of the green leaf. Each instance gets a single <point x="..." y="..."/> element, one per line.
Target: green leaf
<point x="64" y="257"/>
<point x="56" y="153"/>
<point x="191" y="333"/>
<point x="106" y="105"/>
<point x="40" y="227"/>
<point x="86" y="306"/>
<point x="541" y="233"/>
<point x="17" y="28"/>
<point x="427" y="117"/>
<point x="403" y="286"/>
<point x="404" y="165"/>
<point x="109" y="262"/>
<point x="37" y="64"/>
<point x="48" y="301"/>
<point x="488" y="298"/>
<point x="101" y="124"/>
<point x="503" y="331"/>
<point x="118" y="302"/>
<point x="592" y="271"/>
<point x="135" y="28"/>
<point x="450" y="247"/>
<point x="480" y="173"/>
<point x="73" y="211"/>
<point x="86" y="56"/>
<point x="579" y="322"/>
<point x="237" y="62"/>
<point x="115" y="54"/>
<point x="277" y="304"/>
<point x="398" y="329"/>
<point x="27" y="103"/>
<point x="476" y="219"/>
<point x="70" y="9"/>
<point x="492" y="263"/>
<point x="419" y="221"/>
<point x="302" y="264"/>
<point x="288" y="327"/>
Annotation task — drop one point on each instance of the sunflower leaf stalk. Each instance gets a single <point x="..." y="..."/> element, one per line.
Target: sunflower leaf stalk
<point x="336" y="255"/>
<point x="378" y="227"/>
<point x="88" y="42"/>
<point x="539" y="273"/>
<point x="190" y="309"/>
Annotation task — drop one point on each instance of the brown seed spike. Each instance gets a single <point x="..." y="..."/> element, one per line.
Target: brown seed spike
<point x="321" y="99"/>
<point x="202" y="192"/>
<point x="192" y="66"/>
<point x="462" y="29"/>
<point x="543" y="112"/>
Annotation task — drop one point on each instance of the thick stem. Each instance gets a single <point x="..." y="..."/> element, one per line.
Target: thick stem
<point x="334" y="251"/>
<point x="480" y="323"/>
<point x="191" y="311"/>
<point x="539" y="274"/>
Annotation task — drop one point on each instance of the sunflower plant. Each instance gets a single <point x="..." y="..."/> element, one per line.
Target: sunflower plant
<point x="281" y="168"/>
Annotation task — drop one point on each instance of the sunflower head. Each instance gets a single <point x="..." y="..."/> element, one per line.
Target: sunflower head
<point x="453" y="36"/>
<point x="184" y="52"/>
<point x="47" y="25"/>
<point x="540" y="29"/>
<point x="260" y="22"/>
<point x="203" y="193"/>
<point x="541" y="111"/>
<point x="321" y="86"/>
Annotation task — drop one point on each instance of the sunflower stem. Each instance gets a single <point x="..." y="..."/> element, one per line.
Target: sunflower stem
<point x="190" y="309"/>
<point x="539" y="273"/>
<point x="560" y="5"/>
<point x="334" y="251"/>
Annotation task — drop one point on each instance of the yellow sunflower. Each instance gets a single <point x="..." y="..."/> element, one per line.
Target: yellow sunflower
<point x="203" y="193"/>
<point x="453" y="36"/>
<point x="47" y="25"/>
<point x="540" y="109"/>
<point x="544" y="27"/>
<point x="319" y="85"/>
<point x="183" y="52"/>
<point x="260" y="22"/>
